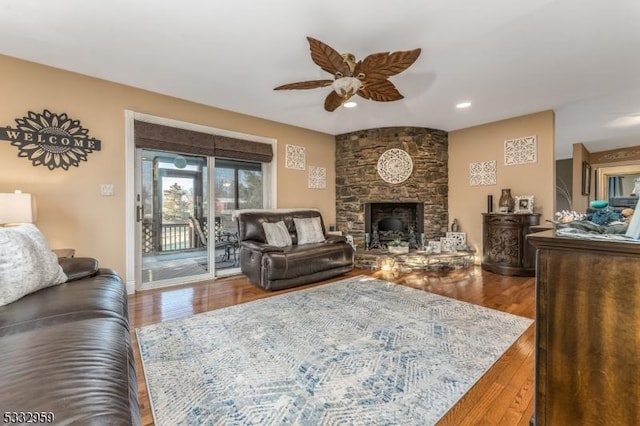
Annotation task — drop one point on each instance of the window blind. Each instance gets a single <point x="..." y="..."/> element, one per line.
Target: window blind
<point x="166" y="138"/>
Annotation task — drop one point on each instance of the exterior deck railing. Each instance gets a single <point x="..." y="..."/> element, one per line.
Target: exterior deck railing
<point x="176" y="236"/>
<point x="171" y="237"/>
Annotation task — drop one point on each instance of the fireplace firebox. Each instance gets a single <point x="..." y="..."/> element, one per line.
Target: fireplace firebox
<point x="394" y="220"/>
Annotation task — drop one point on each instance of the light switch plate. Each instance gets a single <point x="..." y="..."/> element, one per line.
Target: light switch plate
<point x="106" y="189"/>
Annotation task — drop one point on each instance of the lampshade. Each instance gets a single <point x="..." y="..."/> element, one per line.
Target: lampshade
<point x="17" y="208"/>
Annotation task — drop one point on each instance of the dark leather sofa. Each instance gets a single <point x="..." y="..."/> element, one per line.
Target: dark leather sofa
<point x="66" y="350"/>
<point x="275" y="268"/>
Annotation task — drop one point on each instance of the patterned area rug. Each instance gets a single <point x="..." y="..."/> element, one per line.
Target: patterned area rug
<point x="357" y="351"/>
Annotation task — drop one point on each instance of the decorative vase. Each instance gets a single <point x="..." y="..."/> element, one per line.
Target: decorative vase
<point x="506" y="200"/>
<point x="454" y="226"/>
<point x="598" y="204"/>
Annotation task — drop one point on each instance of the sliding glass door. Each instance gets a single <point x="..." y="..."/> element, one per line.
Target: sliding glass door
<point x="173" y="206"/>
<point x="238" y="185"/>
<point x="184" y="181"/>
<point x="182" y="237"/>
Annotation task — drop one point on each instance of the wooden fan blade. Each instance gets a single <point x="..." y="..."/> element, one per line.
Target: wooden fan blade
<point x="327" y="58"/>
<point x="381" y="91"/>
<point x="379" y="66"/>
<point x="311" y="84"/>
<point x="332" y="101"/>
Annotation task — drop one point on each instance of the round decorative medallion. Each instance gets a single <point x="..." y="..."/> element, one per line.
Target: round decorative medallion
<point x="395" y="166"/>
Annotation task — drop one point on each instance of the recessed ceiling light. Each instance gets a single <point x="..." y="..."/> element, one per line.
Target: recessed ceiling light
<point x="625" y="121"/>
<point x="350" y="104"/>
<point x="463" y="105"/>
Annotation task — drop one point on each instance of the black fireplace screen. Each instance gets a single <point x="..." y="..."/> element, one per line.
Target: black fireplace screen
<point x="394" y="220"/>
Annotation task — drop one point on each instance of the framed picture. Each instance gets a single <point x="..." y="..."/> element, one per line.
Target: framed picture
<point x="586" y="178"/>
<point x="434" y="246"/>
<point x="524" y="204"/>
<point x="447" y="245"/>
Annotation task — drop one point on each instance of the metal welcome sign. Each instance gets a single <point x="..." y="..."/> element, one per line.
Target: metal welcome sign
<point x="50" y="140"/>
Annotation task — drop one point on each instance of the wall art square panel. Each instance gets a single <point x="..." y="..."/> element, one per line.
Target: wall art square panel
<point x="460" y="237"/>
<point x="520" y="150"/>
<point x="482" y="173"/>
<point x="317" y="177"/>
<point x="295" y="157"/>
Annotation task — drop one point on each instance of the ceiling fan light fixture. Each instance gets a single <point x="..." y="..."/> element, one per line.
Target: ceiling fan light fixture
<point x="350" y="104"/>
<point x="368" y="78"/>
<point x="346" y="87"/>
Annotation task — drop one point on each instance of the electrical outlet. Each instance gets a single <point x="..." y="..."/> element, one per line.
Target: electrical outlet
<point x="106" y="189"/>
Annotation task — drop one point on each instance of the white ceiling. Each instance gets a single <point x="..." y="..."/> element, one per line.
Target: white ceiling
<point x="580" y="58"/>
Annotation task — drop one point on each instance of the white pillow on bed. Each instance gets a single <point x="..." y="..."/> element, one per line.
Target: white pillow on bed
<point x="27" y="264"/>
<point x="309" y="230"/>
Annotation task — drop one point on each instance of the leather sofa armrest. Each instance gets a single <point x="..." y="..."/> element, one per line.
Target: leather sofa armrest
<point x="336" y="239"/>
<point x="76" y="268"/>
<point x="260" y="247"/>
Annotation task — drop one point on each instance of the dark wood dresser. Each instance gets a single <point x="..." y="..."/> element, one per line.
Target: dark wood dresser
<point x="587" y="363"/>
<point x="505" y="250"/>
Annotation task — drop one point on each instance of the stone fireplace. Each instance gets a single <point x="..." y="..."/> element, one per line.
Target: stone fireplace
<point x="359" y="187"/>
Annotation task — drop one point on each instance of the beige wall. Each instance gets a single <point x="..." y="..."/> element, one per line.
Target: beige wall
<point x="71" y="211"/>
<point x="486" y="143"/>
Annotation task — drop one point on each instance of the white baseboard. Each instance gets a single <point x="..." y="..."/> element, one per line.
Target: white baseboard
<point x="131" y="287"/>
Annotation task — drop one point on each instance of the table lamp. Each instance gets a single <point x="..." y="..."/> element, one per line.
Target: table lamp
<point x="16" y="208"/>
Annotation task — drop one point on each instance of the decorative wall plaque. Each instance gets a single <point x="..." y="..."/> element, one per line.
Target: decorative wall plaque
<point x="461" y="239"/>
<point x="520" y="151"/>
<point x="482" y="173"/>
<point x="447" y="245"/>
<point x="317" y="177"/>
<point x="395" y="166"/>
<point x="295" y="157"/>
<point x="51" y="140"/>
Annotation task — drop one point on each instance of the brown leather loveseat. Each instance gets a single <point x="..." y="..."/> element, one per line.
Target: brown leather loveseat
<point x="65" y="352"/>
<point x="277" y="267"/>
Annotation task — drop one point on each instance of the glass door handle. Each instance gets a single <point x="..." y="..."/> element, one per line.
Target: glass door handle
<point x="139" y="213"/>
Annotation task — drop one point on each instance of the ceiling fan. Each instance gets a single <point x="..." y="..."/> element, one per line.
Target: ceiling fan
<point x="367" y="78"/>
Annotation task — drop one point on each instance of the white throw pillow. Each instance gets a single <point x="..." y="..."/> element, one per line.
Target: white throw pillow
<point x="27" y="264"/>
<point x="277" y="234"/>
<point x="309" y="230"/>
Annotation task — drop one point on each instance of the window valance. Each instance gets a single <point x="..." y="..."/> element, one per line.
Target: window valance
<point x="166" y="138"/>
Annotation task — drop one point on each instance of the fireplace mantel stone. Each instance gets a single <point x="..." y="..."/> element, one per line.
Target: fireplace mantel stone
<point x="358" y="182"/>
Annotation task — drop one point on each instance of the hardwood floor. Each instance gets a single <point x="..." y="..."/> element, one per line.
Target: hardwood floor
<point x="503" y="396"/>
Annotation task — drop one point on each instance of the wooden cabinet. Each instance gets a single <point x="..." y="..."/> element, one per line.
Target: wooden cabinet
<point x="505" y="249"/>
<point x="587" y="362"/>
